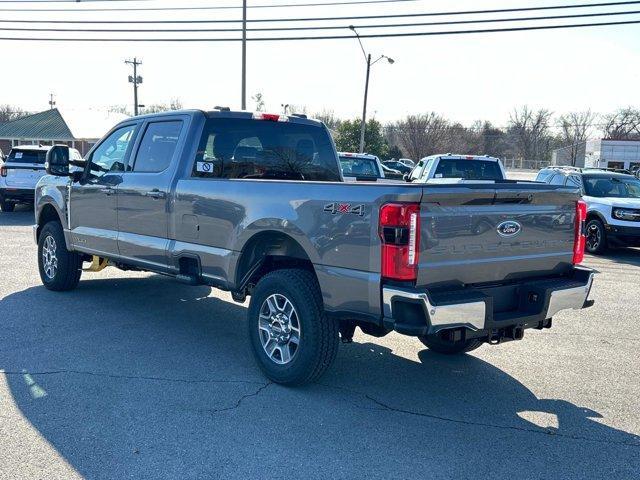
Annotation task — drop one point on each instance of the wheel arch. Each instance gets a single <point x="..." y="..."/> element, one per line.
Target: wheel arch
<point x="45" y="214"/>
<point x="265" y="252"/>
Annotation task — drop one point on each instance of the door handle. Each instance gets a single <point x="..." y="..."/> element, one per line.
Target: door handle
<point x="155" y="193"/>
<point x="108" y="190"/>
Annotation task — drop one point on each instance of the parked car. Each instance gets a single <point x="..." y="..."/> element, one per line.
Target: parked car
<point x="391" y="173"/>
<point x="450" y="168"/>
<point x="397" y="165"/>
<point x="408" y="162"/>
<point x="20" y="173"/>
<point x="256" y="205"/>
<point x="613" y="204"/>
<point x="360" y="166"/>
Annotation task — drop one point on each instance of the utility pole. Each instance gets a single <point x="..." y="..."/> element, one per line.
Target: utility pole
<point x="52" y="102"/>
<point x="364" y="107"/>
<point x="136" y="80"/>
<point x="244" y="55"/>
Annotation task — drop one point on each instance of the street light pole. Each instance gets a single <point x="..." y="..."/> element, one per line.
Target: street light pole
<point x="363" y="123"/>
<point x="367" y="57"/>
<point x="244" y="55"/>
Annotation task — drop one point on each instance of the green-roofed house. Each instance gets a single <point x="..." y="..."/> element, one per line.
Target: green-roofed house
<point x="79" y="129"/>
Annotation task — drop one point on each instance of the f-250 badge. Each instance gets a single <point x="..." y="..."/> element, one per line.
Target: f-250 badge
<point x="343" y="208"/>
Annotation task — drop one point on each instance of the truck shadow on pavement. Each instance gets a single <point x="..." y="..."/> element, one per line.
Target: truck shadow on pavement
<point x="148" y="378"/>
<point x="22" y="216"/>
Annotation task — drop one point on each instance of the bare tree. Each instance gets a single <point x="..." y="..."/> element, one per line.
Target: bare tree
<point x="10" y="112"/>
<point x="328" y="117"/>
<point x="623" y="124"/>
<point x="420" y="135"/>
<point x="259" y="99"/>
<point x="576" y="128"/>
<point x="529" y="133"/>
<point x="174" y="104"/>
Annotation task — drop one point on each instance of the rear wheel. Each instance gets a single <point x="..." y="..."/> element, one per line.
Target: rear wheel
<point x="59" y="268"/>
<point x="596" y="241"/>
<point x="292" y="339"/>
<point x="438" y="345"/>
<point x="7" y="206"/>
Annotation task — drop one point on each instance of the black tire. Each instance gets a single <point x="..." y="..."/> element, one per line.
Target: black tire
<point x="66" y="274"/>
<point x="317" y="333"/>
<point x="7" y="206"/>
<point x="596" y="242"/>
<point x="437" y="345"/>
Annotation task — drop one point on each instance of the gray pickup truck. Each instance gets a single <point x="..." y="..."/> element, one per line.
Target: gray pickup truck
<point x="255" y="204"/>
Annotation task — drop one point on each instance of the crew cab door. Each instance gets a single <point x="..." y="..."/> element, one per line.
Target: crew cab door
<point x="92" y="201"/>
<point x="144" y="193"/>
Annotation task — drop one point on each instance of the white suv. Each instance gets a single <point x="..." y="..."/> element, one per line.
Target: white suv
<point x="613" y="204"/>
<point x="20" y="173"/>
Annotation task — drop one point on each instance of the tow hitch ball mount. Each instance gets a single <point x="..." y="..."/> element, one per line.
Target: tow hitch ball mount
<point x="500" y="335"/>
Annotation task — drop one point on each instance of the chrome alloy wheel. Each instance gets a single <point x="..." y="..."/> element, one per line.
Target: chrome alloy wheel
<point x="594" y="237"/>
<point x="49" y="258"/>
<point x="279" y="329"/>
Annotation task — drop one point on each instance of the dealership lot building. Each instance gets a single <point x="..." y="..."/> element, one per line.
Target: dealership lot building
<point x="79" y="129"/>
<point x="601" y="153"/>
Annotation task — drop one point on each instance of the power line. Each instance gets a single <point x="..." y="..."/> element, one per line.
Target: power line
<point x="217" y="7"/>
<point x="352" y="17"/>
<point x="327" y="37"/>
<point x="325" y="27"/>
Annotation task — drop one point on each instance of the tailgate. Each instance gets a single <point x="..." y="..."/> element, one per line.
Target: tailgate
<point x="494" y="233"/>
<point x="23" y="175"/>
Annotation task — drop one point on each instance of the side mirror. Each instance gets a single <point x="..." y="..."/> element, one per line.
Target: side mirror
<point x="57" y="161"/>
<point x="406" y="177"/>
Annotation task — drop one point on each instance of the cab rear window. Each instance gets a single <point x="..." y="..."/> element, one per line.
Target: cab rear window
<point x="27" y="156"/>
<point x="468" y="169"/>
<point x="258" y="149"/>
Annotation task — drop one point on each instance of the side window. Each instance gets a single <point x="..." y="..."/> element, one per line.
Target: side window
<point x="544" y="176"/>
<point x="109" y="156"/>
<point x="157" y="146"/>
<point x="251" y="149"/>
<point x="557" y="179"/>
<point x="574" y="181"/>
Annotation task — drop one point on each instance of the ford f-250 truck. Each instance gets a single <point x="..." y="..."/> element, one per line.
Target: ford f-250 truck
<point x="255" y="204"/>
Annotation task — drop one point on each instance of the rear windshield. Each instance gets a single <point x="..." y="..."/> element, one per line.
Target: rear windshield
<point x="622" y="187"/>
<point x="359" y="167"/>
<point x="244" y="148"/>
<point x="468" y="169"/>
<point x="27" y="156"/>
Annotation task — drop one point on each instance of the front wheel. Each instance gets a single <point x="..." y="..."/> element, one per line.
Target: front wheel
<point x="59" y="268"/>
<point x="292" y="339"/>
<point x="596" y="241"/>
<point x="438" y="345"/>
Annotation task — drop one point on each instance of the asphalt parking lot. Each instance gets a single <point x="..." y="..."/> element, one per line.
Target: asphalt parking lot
<point x="136" y="376"/>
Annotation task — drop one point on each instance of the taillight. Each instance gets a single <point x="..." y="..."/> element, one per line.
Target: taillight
<point x="400" y="234"/>
<point x="580" y="239"/>
<point x="3" y="171"/>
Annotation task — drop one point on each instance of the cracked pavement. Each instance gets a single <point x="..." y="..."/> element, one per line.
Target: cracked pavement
<point x="133" y="375"/>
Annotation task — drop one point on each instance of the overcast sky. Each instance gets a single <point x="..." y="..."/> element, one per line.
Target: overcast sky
<point x="466" y="77"/>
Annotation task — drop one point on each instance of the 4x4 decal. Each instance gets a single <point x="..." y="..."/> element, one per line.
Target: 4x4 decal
<point x="343" y="208"/>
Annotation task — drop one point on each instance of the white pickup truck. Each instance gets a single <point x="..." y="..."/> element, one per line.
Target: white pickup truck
<point x="450" y="168"/>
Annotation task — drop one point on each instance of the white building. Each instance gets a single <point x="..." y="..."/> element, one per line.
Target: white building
<point x="601" y="154"/>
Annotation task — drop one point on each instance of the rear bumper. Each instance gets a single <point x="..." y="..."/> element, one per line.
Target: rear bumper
<point x="491" y="312"/>
<point x="18" y="195"/>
